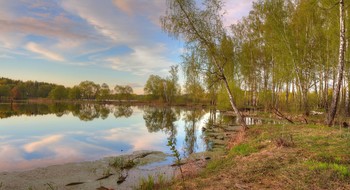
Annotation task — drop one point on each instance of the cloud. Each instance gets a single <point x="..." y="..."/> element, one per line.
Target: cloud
<point x="104" y="18"/>
<point x="235" y="10"/>
<point x="152" y="9"/>
<point x="142" y="61"/>
<point x="133" y="85"/>
<point x="57" y="28"/>
<point x="36" y="48"/>
<point x="45" y="21"/>
<point x="124" y="6"/>
<point x="128" y="23"/>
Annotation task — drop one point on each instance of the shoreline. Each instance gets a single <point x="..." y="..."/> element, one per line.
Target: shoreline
<point x="110" y="102"/>
<point x="110" y="172"/>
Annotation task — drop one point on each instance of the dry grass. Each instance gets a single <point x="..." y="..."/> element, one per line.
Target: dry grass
<point x="281" y="157"/>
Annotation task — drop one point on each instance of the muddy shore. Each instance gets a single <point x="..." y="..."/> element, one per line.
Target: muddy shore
<point x="108" y="173"/>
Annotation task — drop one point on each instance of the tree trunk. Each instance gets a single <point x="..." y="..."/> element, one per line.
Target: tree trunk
<point x="347" y="102"/>
<point x="335" y="99"/>
<point x="239" y="116"/>
<point x="325" y="95"/>
<point x="320" y="91"/>
<point x="287" y="93"/>
<point x="305" y="101"/>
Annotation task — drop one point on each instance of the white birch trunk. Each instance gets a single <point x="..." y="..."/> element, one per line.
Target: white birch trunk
<point x="335" y="99"/>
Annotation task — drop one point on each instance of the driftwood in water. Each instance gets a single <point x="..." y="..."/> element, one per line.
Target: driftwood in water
<point x="279" y="114"/>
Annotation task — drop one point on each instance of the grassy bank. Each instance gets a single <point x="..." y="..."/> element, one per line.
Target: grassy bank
<point x="281" y="157"/>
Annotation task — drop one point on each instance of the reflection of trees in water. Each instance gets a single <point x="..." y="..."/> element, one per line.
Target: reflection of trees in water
<point x="157" y="119"/>
<point x="88" y="112"/>
<point x="191" y="118"/>
<point x="59" y="109"/>
<point x="227" y="119"/>
<point x="122" y="111"/>
<point x="212" y="117"/>
<point x="75" y="109"/>
<point x="85" y="112"/>
<point x="9" y="110"/>
<point x="104" y="111"/>
<point x="212" y="120"/>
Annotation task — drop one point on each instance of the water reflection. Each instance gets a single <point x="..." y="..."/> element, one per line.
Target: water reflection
<point x="191" y="119"/>
<point x="157" y="119"/>
<point x="85" y="112"/>
<point x="46" y="134"/>
<point x="122" y="111"/>
<point x="162" y="119"/>
<point x="228" y="119"/>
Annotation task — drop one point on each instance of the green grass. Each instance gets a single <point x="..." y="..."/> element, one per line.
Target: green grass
<point x="150" y="183"/>
<point x="243" y="150"/>
<point x="319" y="158"/>
<point x="122" y="163"/>
<point x="342" y="170"/>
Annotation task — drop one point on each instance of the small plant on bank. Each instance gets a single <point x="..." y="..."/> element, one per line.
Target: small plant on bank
<point x="151" y="183"/>
<point x="122" y="163"/>
<point x="50" y="186"/>
<point x="107" y="172"/>
<point x="176" y="155"/>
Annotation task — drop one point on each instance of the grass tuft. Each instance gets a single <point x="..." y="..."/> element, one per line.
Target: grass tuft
<point x="151" y="183"/>
<point x="341" y="170"/>
<point x="122" y="163"/>
<point x="243" y="150"/>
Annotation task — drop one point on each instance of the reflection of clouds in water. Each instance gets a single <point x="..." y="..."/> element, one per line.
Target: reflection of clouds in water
<point x="9" y="153"/>
<point x="31" y="147"/>
<point x="76" y="146"/>
<point x="14" y="158"/>
<point x="55" y="149"/>
<point x="31" y="142"/>
<point x="137" y="135"/>
<point x="2" y="138"/>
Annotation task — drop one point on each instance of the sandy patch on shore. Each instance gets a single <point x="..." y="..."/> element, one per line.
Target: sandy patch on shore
<point x="91" y="175"/>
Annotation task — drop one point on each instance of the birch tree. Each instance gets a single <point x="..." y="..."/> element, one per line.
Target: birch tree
<point x="201" y="28"/>
<point x="335" y="99"/>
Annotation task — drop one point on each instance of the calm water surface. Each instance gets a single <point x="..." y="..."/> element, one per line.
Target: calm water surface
<point x="39" y="135"/>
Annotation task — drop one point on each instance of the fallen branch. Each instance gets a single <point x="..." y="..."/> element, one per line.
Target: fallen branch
<point x="305" y="120"/>
<point x="279" y="114"/>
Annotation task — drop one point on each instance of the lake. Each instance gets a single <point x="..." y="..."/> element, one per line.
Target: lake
<point x="39" y="135"/>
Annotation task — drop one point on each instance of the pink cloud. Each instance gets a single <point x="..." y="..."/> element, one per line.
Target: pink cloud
<point x="235" y="10"/>
<point x="152" y="9"/>
<point x="36" y="48"/>
<point x="58" y="28"/>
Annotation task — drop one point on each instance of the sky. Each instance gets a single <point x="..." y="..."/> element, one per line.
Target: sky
<point x="105" y="41"/>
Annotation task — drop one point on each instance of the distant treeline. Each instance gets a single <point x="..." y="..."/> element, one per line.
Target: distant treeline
<point x="157" y="89"/>
<point x="86" y="90"/>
